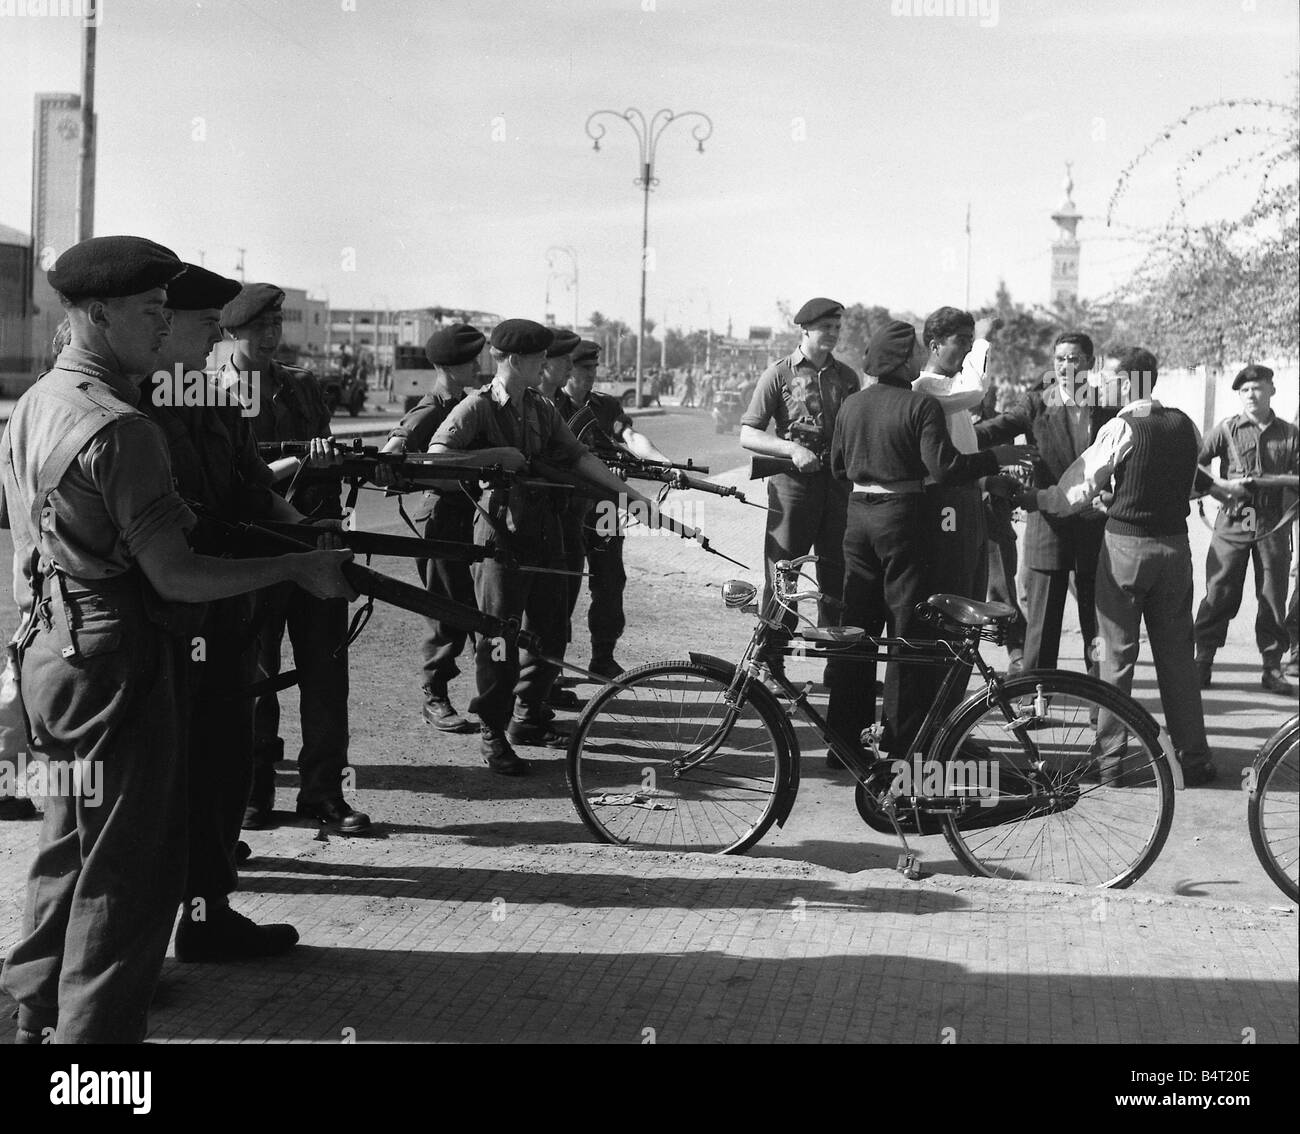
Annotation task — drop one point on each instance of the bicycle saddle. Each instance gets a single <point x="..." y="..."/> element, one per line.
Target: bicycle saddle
<point x="832" y="633"/>
<point x="968" y="612"/>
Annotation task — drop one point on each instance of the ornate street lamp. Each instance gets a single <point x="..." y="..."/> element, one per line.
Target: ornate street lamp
<point x="647" y="136"/>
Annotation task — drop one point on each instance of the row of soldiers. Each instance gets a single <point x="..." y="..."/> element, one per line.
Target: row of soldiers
<point x="147" y="653"/>
<point x="902" y="490"/>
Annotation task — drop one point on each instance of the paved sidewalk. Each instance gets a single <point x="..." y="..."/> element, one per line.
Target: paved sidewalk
<point x="417" y="937"/>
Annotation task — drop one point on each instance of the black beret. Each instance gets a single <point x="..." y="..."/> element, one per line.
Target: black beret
<point x="106" y="267"/>
<point x="521" y="336"/>
<point x="564" y="343"/>
<point x="1252" y="373"/>
<point x="819" y="308"/>
<point x="889" y="348"/>
<point x="199" y="289"/>
<point x="253" y="299"/>
<point x="454" y="345"/>
<point x="586" y="353"/>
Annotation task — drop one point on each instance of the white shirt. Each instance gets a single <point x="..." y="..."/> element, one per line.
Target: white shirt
<point x="958" y="394"/>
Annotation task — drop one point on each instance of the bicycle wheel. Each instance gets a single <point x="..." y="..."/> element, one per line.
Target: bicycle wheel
<point x="1052" y="806"/>
<point x="660" y="761"/>
<point x="1272" y="811"/>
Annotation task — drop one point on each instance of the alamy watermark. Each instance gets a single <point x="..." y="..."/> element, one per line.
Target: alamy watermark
<point x="181" y="387"/>
<point x="39" y="779"/>
<point x="928" y="779"/>
<point x="88" y="11"/>
<point x="984" y="11"/>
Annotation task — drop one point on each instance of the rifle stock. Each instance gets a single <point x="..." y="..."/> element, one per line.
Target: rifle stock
<point x="760" y="468"/>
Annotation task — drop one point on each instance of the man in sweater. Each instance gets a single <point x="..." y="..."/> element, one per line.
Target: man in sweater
<point x="888" y="438"/>
<point x="1147" y="458"/>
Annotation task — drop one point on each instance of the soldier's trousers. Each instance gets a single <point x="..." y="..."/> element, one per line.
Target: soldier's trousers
<point x="220" y="745"/>
<point x="607" y="580"/>
<point x="503" y="671"/>
<point x="449" y="579"/>
<point x="110" y="864"/>
<point x="317" y="629"/>
<point x="807" y="514"/>
<point x="1225" y="579"/>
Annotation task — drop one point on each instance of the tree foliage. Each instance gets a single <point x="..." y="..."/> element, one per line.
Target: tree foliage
<point x="1211" y="292"/>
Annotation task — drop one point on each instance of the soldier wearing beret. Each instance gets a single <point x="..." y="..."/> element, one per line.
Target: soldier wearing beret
<point x="508" y="423"/>
<point x="102" y="576"/>
<point x="290" y="408"/>
<point x="603" y="550"/>
<point x="559" y="365"/>
<point x="448" y="514"/>
<point x="215" y="464"/>
<point x="801" y="395"/>
<point x="1260" y="454"/>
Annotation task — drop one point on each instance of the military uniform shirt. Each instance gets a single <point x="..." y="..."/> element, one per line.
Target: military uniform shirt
<point x="795" y="392"/>
<point x="116" y="498"/>
<point x="488" y="420"/>
<point x="1243" y="449"/>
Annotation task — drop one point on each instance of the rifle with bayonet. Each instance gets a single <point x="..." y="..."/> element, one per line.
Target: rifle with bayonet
<point x="275" y="539"/>
<point x="361" y="462"/>
<point x="628" y="465"/>
<point x="590" y="490"/>
<point x="675" y="476"/>
<point x="407" y="547"/>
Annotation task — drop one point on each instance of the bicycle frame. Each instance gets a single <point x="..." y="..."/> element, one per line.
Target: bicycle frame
<point x="959" y="658"/>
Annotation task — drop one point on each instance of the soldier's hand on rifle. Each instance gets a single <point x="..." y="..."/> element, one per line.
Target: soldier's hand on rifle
<point x="805" y="460"/>
<point x="321" y="453"/>
<point x="387" y="475"/>
<point x="331" y="534"/>
<point x="320" y="574"/>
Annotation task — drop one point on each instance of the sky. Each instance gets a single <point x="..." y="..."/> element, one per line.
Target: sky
<point x="407" y="153"/>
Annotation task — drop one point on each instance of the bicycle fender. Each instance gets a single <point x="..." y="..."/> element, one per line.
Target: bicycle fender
<point x="1285" y="735"/>
<point x="941" y="737"/>
<point x="759" y="693"/>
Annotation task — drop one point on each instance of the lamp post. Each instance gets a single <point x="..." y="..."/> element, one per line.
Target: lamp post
<point x="647" y="136"/>
<point x="571" y="280"/>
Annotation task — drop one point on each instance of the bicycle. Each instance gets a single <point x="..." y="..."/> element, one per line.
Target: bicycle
<point x="1272" y="808"/>
<point x="699" y="755"/>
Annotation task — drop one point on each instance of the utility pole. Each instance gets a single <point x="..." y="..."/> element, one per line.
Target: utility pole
<point x="240" y="266"/>
<point x="86" y="190"/>
<point x="967" y="255"/>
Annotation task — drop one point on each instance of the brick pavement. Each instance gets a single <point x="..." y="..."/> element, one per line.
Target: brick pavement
<point x="418" y="937"/>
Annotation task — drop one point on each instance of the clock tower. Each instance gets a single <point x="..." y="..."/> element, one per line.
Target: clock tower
<point x="1065" y="248"/>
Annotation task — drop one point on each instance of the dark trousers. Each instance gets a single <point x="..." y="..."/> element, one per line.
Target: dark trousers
<point x="1225" y="579"/>
<point x="807" y="513"/>
<point x="1003" y="561"/>
<point x="956" y="535"/>
<point x="220" y="745"/>
<point x="109" y="872"/>
<point x="503" y="671"/>
<point x="449" y="579"/>
<point x="602" y="555"/>
<point x="1148" y="579"/>
<point x="957" y="559"/>
<point x="884" y="579"/>
<point x="1046" y="592"/>
<point x="317" y="629"/>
